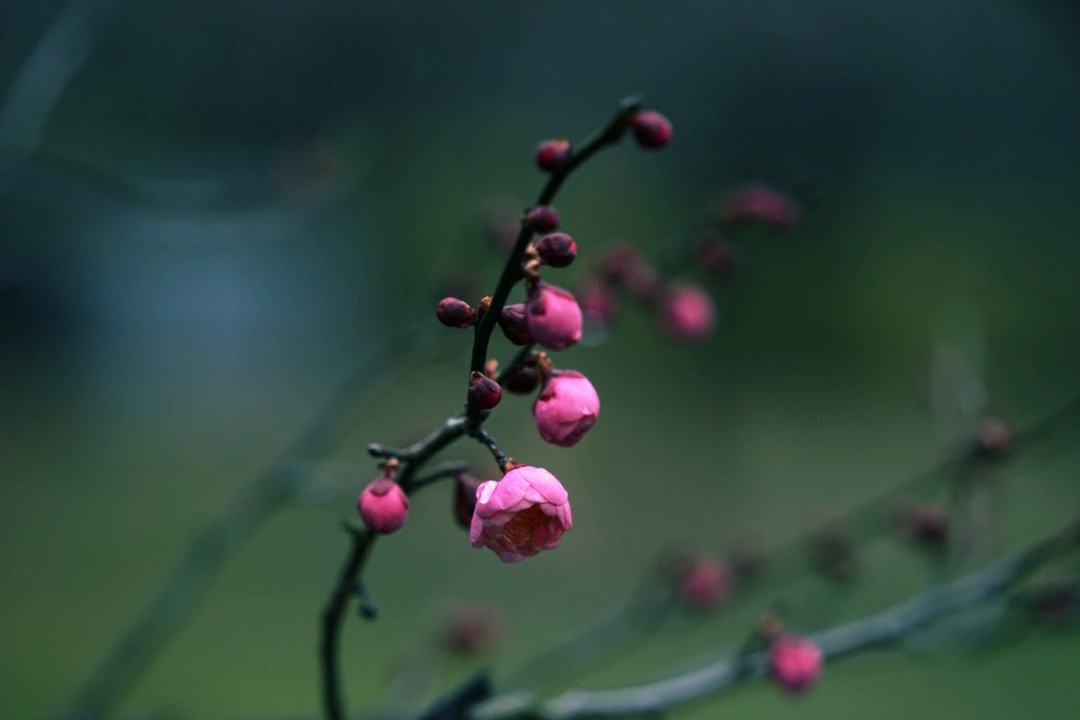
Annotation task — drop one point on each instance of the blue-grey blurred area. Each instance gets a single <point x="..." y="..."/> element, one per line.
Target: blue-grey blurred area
<point x="211" y="213"/>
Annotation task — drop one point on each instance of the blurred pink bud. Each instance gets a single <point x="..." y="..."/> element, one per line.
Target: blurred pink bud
<point x="832" y="553"/>
<point x="716" y="256"/>
<point x="651" y="129"/>
<point x="566" y="408"/>
<point x="484" y="392"/>
<point x="599" y="305"/>
<point x="514" y="322"/>
<point x="383" y="506"/>
<point x="760" y="203"/>
<point x="554" y="317"/>
<point x="557" y="249"/>
<point x="928" y="524"/>
<point x="525" y="512"/>
<point x="688" y="312"/>
<point x="995" y="438"/>
<point x="705" y="582"/>
<point x="455" y="313"/>
<point x="469" y="629"/>
<point x="552" y="155"/>
<point x="795" y="663"/>
<point x="543" y="218"/>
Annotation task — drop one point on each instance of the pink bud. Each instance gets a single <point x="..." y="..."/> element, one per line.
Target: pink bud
<point x="599" y="305"/>
<point x="523" y="380"/>
<point x="525" y="512"/>
<point x="557" y="249"/>
<point x="554" y="317"/>
<point x="688" y="312"/>
<point x="651" y="129"/>
<point x="515" y="324"/>
<point x="543" y="218"/>
<point x="383" y="505"/>
<point x="469" y="629"/>
<point x="552" y="155"/>
<point x="566" y="408"/>
<point x="484" y="392"/>
<point x="455" y="313"/>
<point x="761" y="203"/>
<point x="716" y="255"/>
<point x="795" y="663"/>
<point x="705" y="583"/>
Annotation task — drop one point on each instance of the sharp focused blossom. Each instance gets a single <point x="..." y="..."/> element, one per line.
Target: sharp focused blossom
<point x="554" y="317"/>
<point x="525" y="512"/>
<point x="383" y="506"/>
<point x="795" y="663"/>
<point x="566" y="408"/>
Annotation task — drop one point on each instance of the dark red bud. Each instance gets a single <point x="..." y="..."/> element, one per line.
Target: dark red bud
<point x="651" y="129"/>
<point x="455" y="313"/>
<point x="515" y="324"/>
<point x="832" y="553"/>
<point x="557" y="249"/>
<point x="484" y="392"/>
<point x="465" y="498"/>
<point x="543" y="218"/>
<point x="929" y="524"/>
<point x="552" y="155"/>
<point x="716" y="256"/>
<point x="523" y="380"/>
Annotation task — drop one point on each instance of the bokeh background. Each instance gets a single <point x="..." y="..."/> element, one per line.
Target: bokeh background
<point x="211" y="213"/>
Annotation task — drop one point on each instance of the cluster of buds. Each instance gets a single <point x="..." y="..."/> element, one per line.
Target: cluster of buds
<point x="528" y="509"/>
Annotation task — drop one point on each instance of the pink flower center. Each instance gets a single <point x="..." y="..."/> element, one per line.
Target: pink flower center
<point x="521" y="529"/>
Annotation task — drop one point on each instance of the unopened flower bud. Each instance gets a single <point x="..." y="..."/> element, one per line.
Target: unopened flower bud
<point x="552" y="155"/>
<point x="383" y="506"/>
<point x="465" y="498"/>
<point x="651" y="129"/>
<point x="687" y="312"/>
<point x="484" y="392"/>
<point x="543" y="218"/>
<point x="928" y="524"/>
<point x="599" y="304"/>
<point x="523" y="380"/>
<point x="557" y="249"/>
<point x="760" y="203"/>
<point x="554" y="317"/>
<point x="453" y="312"/>
<point x="470" y="629"/>
<point x="832" y="553"/>
<point x="704" y="582"/>
<point x="795" y="663"/>
<point x="995" y="438"/>
<point x="566" y="408"/>
<point x="515" y="324"/>
<point x="716" y="256"/>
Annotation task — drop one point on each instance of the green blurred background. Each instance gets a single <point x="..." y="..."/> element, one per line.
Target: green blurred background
<point x="212" y="212"/>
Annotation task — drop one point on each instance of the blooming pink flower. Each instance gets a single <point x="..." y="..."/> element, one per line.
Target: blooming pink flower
<point x="705" y="582"/>
<point x="383" y="505"/>
<point x="688" y="312"/>
<point x="525" y="512"/>
<point x="761" y="203"/>
<point x="554" y="317"/>
<point x="795" y="663"/>
<point x="566" y="407"/>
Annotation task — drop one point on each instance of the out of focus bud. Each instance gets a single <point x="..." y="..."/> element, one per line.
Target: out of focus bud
<point x="651" y="129"/>
<point x="543" y="218"/>
<point x="599" y="305"/>
<point x="760" y="203"/>
<point x="687" y="312"/>
<point x="795" y="663"/>
<point x="928" y="524"/>
<point x="455" y="313"/>
<point x="465" y="498"/>
<point x="554" y="317"/>
<point x="469" y="629"/>
<point x="383" y="506"/>
<point x="715" y="255"/>
<point x="995" y="438"/>
<point x="1055" y="601"/>
<point x="515" y="324"/>
<point x="484" y="393"/>
<point x="566" y="408"/>
<point x="552" y="155"/>
<point x="557" y="249"/>
<point x="704" y="582"/>
<point x="832" y="553"/>
<point x="523" y="380"/>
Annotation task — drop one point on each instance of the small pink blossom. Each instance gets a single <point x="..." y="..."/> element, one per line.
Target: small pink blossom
<point x="688" y="312"/>
<point x="761" y="203"/>
<point x="383" y="506"/>
<point x="566" y="408"/>
<point x="554" y="317"/>
<point x="525" y="512"/>
<point x="795" y="663"/>
<point x="705" y="582"/>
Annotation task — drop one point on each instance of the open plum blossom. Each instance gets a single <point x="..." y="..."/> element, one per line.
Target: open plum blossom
<point x="554" y="317"/>
<point x="525" y="512"/>
<point x="688" y="312"/>
<point x="566" y="408"/>
<point x="795" y="663"/>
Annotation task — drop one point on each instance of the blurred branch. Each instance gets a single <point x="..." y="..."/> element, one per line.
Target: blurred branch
<point x="212" y="546"/>
<point x="874" y="631"/>
<point x="414" y="457"/>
